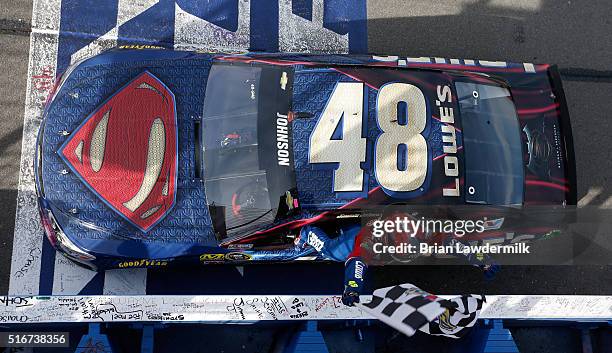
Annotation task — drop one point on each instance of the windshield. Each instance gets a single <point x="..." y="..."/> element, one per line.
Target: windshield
<point x="492" y="142"/>
<point x="248" y="165"/>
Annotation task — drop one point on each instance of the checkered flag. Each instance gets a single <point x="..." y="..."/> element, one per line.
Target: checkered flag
<point x="405" y="307"/>
<point x="456" y="321"/>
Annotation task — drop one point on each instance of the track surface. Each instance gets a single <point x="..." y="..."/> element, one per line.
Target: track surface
<point x="574" y="34"/>
<point x="14" y="43"/>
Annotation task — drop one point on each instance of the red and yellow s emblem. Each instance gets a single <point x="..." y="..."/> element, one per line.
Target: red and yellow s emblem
<point x="126" y="151"/>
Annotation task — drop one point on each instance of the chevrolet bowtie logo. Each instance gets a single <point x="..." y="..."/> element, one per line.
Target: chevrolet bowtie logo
<point x="284" y="80"/>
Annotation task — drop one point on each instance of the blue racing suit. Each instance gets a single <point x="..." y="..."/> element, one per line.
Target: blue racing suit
<point x="345" y="247"/>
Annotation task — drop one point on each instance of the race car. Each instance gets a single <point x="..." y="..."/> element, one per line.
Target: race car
<point x="148" y="157"/>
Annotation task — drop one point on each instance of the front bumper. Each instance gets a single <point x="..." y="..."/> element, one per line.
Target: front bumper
<point x="51" y="226"/>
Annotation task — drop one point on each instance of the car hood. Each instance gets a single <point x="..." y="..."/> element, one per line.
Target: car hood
<point x="109" y="177"/>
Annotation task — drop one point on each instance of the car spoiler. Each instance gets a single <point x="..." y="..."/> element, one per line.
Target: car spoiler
<point x="566" y="132"/>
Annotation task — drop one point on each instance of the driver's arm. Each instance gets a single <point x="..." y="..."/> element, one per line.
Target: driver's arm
<point x="481" y="260"/>
<point x="346" y="247"/>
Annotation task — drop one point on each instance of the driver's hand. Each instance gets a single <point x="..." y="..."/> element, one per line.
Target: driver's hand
<point x="350" y="297"/>
<point x="490" y="270"/>
<point x="354" y="276"/>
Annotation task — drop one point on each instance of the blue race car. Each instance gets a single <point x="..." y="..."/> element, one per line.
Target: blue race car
<point x="148" y="157"/>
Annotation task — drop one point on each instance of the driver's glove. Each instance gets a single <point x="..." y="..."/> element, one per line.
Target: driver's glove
<point x="486" y="263"/>
<point x="491" y="269"/>
<point x="354" y="275"/>
<point x="489" y="266"/>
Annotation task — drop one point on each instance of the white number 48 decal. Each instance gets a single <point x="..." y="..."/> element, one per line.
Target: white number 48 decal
<point x="345" y="146"/>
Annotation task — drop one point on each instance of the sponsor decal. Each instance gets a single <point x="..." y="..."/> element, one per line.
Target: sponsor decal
<point x="240" y="246"/>
<point x="359" y="270"/>
<point x="348" y="215"/>
<point x="140" y="47"/>
<point x="314" y="241"/>
<point x="237" y="256"/>
<point x="553" y="233"/>
<point x="231" y="256"/>
<point x="290" y="201"/>
<point x="142" y="263"/>
<point x="212" y="257"/>
<point x="449" y="138"/>
<point x="416" y="61"/>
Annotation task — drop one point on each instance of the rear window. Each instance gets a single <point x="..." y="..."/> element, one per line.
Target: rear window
<point x="492" y="144"/>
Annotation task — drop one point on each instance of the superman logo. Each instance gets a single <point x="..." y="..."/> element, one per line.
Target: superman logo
<point x="126" y="151"/>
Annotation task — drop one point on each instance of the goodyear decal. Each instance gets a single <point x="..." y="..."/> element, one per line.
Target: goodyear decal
<point x="140" y="47"/>
<point x="142" y="263"/>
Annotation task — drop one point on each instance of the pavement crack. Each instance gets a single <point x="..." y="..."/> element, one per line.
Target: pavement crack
<point x="15" y="27"/>
<point x="585" y="75"/>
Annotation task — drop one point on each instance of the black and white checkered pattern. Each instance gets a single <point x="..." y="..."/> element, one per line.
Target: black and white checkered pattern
<point x="455" y="322"/>
<point x="405" y="307"/>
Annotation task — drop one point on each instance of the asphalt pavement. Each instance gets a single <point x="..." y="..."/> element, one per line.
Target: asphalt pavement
<point x="14" y="51"/>
<point x="576" y="35"/>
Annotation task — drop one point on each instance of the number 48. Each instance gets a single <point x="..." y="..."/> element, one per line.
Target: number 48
<point x="400" y="152"/>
